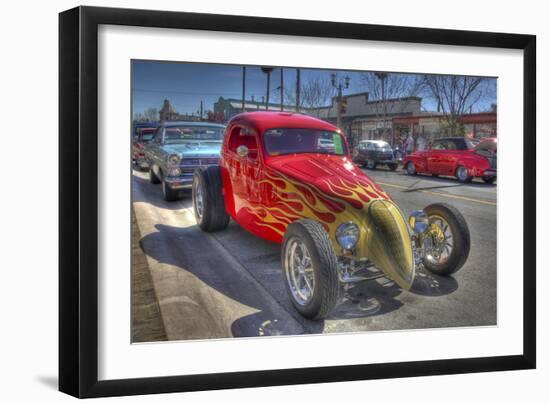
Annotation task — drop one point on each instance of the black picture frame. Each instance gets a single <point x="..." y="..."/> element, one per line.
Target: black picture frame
<point x="78" y="200"/>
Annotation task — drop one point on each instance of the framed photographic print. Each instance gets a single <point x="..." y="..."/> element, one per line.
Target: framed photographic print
<point x="250" y="201"/>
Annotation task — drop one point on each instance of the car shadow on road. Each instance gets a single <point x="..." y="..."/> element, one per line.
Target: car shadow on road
<point x="194" y="251"/>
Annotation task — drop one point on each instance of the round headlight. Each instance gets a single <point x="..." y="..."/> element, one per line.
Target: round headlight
<point x="174" y="172"/>
<point x="174" y="159"/>
<point x="347" y="235"/>
<point x="418" y="220"/>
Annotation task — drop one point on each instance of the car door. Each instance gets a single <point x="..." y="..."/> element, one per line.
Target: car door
<point x="251" y="168"/>
<point x="454" y="153"/>
<point x="435" y="155"/>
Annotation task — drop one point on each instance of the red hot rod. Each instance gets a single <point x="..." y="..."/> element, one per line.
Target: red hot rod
<point x="289" y="178"/>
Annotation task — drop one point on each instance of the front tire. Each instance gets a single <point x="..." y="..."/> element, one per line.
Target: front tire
<point x="411" y="168"/>
<point x="371" y="164"/>
<point x="208" y="201"/>
<point x="310" y="269"/>
<point x="153" y="179"/>
<point x="451" y="253"/>
<point x="169" y="194"/>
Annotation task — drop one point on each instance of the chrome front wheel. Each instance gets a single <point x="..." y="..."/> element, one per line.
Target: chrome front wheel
<point x="299" y="271"/>
<point x="446" y="242"/>
<point x="441" y="245"/>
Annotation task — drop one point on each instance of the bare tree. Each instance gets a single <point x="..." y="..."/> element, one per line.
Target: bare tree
<point x="385" y="88"/>
<point x="314" y="94"/>
<point x="151" y="114"/>
<point x="455" y="95"/>
<point x="139" y="117"/>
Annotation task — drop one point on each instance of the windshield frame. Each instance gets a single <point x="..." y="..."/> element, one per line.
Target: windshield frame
<point x="333" y="132"/>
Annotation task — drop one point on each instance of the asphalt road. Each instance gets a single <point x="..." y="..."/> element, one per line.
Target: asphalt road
<point x="230" y="283"/>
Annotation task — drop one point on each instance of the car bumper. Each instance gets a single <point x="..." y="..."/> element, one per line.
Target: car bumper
<point x="489" y="173"/>
<point x="182" y="182"/>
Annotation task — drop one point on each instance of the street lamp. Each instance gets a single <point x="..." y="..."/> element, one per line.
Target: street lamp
<point x="339" y="85"/>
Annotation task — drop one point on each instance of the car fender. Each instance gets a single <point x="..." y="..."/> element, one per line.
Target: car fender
<point x="419" y="162"/>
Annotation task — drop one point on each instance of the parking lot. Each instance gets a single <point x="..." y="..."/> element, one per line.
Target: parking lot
<point x="230" y="283"/>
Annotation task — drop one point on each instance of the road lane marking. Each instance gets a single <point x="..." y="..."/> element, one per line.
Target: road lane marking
<point x="464" y="198"/>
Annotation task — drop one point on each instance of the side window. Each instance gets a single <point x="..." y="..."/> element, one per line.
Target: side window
<point x="458" y="144"/>
<point x="455" y="145"/>
<point x="370" y="146"/>
<point x="439" y="145"/>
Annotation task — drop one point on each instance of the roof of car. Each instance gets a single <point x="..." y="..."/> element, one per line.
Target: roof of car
<point x="264" y="120"/>
<point x="373" y="141"/>
<point x="191" y="123"/>
<point x="450" y="138"/>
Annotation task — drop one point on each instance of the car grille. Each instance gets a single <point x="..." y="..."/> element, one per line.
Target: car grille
<point x="189" y="165"/>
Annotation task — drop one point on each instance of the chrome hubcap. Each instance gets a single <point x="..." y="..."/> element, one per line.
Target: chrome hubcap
<point x="440" y="250"/>
<point x="299" y="271"/>
<point x="410" y="168"/>
<point x="198" y="198"/>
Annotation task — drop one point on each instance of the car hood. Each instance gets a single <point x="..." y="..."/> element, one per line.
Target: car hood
<point x="195" y="149"/>
<point x="335" y="176"/>
<point x="332" y="190"/>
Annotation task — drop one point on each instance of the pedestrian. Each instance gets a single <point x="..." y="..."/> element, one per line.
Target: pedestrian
<point x="421" y="143"/>
<point x="409" y="144"/>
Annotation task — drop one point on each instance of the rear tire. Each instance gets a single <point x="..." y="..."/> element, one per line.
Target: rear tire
<point x="208" y="201"/>
<point x="489" y="180"/>
<point x="462" y="174"/>
<point x="461" y="238"/>
<point x="392" y="167"/>
<point x="371" y="164"/>
<point x="323" y="267"/>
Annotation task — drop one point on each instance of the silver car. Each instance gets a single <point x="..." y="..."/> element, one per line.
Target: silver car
<point x="177" y="150"/>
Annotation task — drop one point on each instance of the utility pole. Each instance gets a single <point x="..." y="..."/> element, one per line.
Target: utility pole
<point x="244" y="87"/>
<point x="339" y="86"/>
<point x="382" y="77"/>
<point x="201" y="111"/>
<point x="282" y="97"/>
<point x="267" y="70"/>
<point x="298" y="90"/>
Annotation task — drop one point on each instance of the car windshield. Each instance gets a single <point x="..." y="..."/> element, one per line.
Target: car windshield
<point x="182" y="134"/>
<point x="471" y="143"/>
<point x="291" y="141"/>
<point x="381" y="145"/>
<point x="147" y="136"/>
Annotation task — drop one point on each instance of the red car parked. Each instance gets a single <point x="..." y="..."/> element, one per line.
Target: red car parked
<point x="456" y="156"/>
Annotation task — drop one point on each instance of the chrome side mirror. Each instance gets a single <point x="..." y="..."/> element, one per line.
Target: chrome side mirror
<point x="242" y="150"/>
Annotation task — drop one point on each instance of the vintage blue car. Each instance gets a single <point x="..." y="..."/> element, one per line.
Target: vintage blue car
<point x="177" y="150"/>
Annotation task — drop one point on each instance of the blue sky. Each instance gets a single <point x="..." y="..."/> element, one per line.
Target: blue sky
<point x="186" y="84"/>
